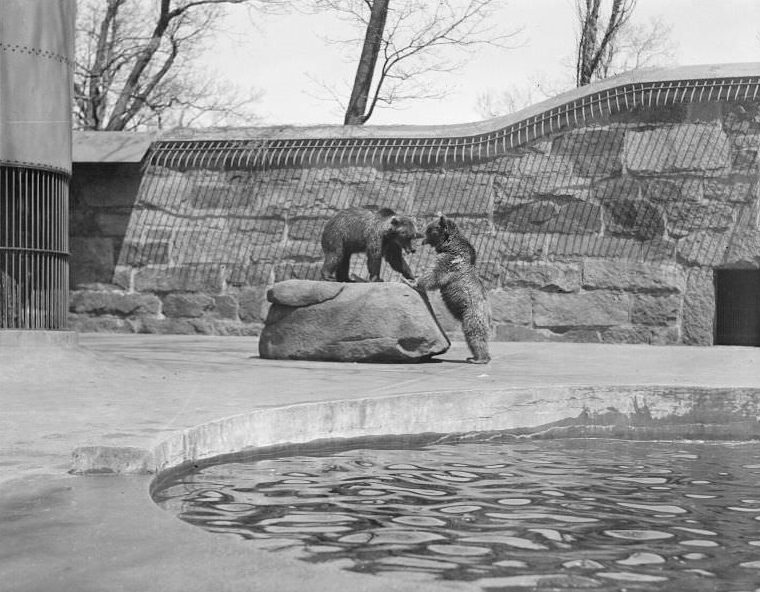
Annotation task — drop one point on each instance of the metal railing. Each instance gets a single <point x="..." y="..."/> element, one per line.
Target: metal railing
<point x="411" y="152"/>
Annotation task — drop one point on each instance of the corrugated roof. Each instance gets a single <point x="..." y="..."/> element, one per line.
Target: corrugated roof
<point x="110" y="146"/>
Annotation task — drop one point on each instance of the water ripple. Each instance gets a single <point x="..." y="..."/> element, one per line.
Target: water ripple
<point x="567" y="514"/>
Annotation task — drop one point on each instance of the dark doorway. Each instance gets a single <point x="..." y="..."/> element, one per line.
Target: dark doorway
<point x="737" y="307"/>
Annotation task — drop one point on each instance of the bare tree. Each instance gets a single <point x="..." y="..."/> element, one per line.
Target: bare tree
<point x="596" y="37"/>
<point x="136" y="65"/>
<point x="373" y="39"/>
<point x="406" y="42"/>
<point x="632" y="45"/>
<point x="639" y="45"/>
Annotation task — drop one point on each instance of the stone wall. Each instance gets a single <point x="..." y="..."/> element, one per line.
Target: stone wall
<point x="608" y="232"/>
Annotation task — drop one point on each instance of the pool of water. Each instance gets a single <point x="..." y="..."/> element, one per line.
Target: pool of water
<point x="502" y="514"/>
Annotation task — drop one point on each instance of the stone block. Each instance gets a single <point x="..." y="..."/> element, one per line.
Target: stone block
<point x="251" y="304"/>
<point x="301" y="270"/>
<point x="685" y="147"/>
<point x="556" y="165"/>
<point x="595" y="152"/>
<point x="673" y="189"/>
<point x="295" y="250"/>
<point x="741" y="117"/>
<point x="506" y="332"/>
<point x="567" y="246"/>
<point x="92" y="260"/>
<point x="641" y="334"/>
<point x="176" y="326"/>
<point x="308" y="229"/>
<point x="112" y="302"/>
<point x="585" y="309"/>
<point x="513" y="191"/>
<point x="617" y="188"/>
<point x="227" y="327"/>
<point x="165" y="194"/>
<point x="704" y="112"/>
<point x="743" y="244"/>
<point x="189" y="305"/>
<point x="266" y="194"/>
<point x="686" y="217"/>
<point x="698" y="314"/>
<point x="455" y="193"/>
<point x="112" y="223"/>
<point x="627" y="334"/>
<point x="209" y="278"/>
<point x="703" y="248"/>
<point x="268" y="228"/>
<point x="144" y="253"/>
<point x="226" y="306"/>
<point x="251" y="273"/>
<point x="632" y="276"/>
<point x="648" y="309"/>
<point x="644" y="113"/>
<point x="82" y="323"/>
<point x="576" y="218"/>
<point x="732" y="190"/>
<point x="123" y="277"/>
<point x="377" y="322"/>
<point x="524" y="218"/>
<point x="489" y="273"/>
<point x="322" y="192"/>
<point x="547" y="276"/>
<point x="745" y="160"/>
<point x="513" y="246"/>
<point x="511" y="306"/>
<point x="636" y="218"/>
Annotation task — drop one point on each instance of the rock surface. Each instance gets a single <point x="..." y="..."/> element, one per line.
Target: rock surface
<point x="362" y="322"/>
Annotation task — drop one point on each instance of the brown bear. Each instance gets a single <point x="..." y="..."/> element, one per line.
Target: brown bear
<point x="382" y="235"/>
<point x="454" y="274"/>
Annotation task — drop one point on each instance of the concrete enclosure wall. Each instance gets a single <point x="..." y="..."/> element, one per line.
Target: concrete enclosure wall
<point x="599" y="216"/>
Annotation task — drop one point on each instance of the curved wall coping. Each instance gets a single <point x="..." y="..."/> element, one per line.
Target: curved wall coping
<point x="748" y="72"/>
<point x="638" y="412"/>
<point x="289" y="146"/>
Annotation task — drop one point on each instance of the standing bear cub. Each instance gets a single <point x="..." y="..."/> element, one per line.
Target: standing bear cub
<point x="382" y="235"/>
<point x="454" y="274"/>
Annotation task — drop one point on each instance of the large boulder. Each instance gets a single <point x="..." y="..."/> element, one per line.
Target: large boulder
<point x="361" y="322"/>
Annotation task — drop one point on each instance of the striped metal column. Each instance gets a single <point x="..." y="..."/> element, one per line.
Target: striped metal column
<point x="36" y="63"/>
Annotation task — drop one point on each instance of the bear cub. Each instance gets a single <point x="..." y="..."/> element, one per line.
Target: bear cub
<point x="382" y="235"/>
<point x="454" y="274"/>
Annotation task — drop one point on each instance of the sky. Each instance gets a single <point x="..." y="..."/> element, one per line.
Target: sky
<point x="288" y="58"/>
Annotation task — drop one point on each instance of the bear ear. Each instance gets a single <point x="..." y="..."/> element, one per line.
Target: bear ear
<point x="395" y="221"/>
<point x="441" y="219"/>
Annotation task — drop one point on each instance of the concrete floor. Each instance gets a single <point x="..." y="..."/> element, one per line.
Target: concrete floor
<point x="65" y="532"/>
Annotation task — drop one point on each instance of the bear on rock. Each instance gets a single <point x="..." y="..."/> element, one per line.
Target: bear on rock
<point x="383" y="234"/>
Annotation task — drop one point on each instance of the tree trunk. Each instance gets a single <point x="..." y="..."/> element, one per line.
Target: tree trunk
<point x="588" y="43"/>
<point x="357" y="105"/>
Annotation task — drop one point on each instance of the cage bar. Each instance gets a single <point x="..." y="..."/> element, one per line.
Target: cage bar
<point x="34" y="258"/>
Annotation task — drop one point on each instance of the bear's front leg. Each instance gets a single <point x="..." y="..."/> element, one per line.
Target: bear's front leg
<point x="374" y="260"/>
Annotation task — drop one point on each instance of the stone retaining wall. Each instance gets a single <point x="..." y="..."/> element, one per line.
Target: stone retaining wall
<point x="608" y="232"/>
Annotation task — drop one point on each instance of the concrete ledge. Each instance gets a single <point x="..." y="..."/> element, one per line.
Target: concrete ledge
<point x="37" y="338"/>
<point x="637" y="412"/>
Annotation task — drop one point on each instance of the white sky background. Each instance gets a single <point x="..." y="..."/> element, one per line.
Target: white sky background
<point x="283" y="56"/>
